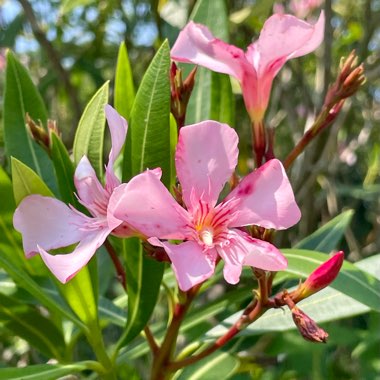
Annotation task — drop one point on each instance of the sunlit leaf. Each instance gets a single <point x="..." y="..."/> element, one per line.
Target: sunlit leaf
<point x="89" y="136"/>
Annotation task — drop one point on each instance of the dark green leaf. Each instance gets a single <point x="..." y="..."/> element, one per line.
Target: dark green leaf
<point x="143" y="277"/>
<point x="21" y="97"/>
<point x="149" y="126"/>
<point x="64" y="170"/>
<point x="26" y="322"/>
<point x="327" y="238"/>
<point x="89" y="136"/>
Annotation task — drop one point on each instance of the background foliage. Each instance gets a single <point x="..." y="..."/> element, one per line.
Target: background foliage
<point x="71" y="48"/>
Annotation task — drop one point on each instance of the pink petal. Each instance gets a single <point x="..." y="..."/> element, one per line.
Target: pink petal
<point x="206" y="157"/>
<point x="266" y="198"/>
<point x="66" y="266"/>
<point x="260" y="254"/>
<point x="118" y="127"/>
<point x="190" y="264"/>
<point x="147" y="206"/>
<point x="195" y="44"/>
<point x="91" y="192"/>
<point x="284" y="37"/>
<point x="47" y="222"/>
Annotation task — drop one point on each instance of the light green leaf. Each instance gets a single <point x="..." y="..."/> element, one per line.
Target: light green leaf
<point x="41" y="371"/>
<point x="327" y="305"/>
<point x="20" y="97"/>
<point x="220" y="365"/>
<point x="89" y="136"/>
<point x="351" y="280"/>
<point x="149" y="126"/>
<point x="69" y="5"/>
<point x="124" y="87"/>
<point x="26" y="182"/>
<point x="327" y="238"/>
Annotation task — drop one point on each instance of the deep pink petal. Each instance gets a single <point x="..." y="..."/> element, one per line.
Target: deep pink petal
<point x="206" y="157"/>
<point x="196" y="44"/>
<point x="66" y="266"/>
<point x="118" y="127"/>
<point x="266" y="198"/>
<point x="260" y="254"/>
<point x="147" y="206"/>
<point x="91" y="192"/>
<point x="190" y="264"/>
<point x="47" y="222"/>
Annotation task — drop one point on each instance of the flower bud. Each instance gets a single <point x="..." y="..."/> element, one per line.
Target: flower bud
<point x="323" y="276"/>
<point x="308" y="327"/>
<point x="180" y="92"/>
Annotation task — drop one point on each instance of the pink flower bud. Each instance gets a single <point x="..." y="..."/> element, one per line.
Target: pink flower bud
<point x="323" y="276"/>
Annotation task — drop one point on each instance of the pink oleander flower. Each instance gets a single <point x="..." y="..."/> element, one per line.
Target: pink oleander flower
<point x="283" y="37"/>
<point x="47" y="223"/>
<point x="206" y="157"/>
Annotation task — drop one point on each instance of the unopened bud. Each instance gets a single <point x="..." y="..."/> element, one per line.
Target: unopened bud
<point x="180" y="92"/>
<point x="323" y="276"/>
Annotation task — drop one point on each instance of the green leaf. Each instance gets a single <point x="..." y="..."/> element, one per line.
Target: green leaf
<point x="69" y="5"/>
<point x="220" y="365"/>
<point x="203" y="102"/>
<point x="26" y="282"/>
<point x="41" y="371"/>
<point x="20" y="97"/>
<point x="150" y="126"/>
<point x="26" y="182"/>
<point x="64" y="169"/>
<point x="351" y="280"/>
<point x="327" y="238"/>
<point x="79" y="294"/>
<point x="124" y="88"/>
<point x="144" y="277"/>
<point x="26" y="322"/>
<point x="222" y="99"/>
<point x="327" y="305"/>
<point x="89" y="136"/>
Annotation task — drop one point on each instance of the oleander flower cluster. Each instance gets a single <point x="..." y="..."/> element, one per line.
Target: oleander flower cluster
<point x="203" y="227"/>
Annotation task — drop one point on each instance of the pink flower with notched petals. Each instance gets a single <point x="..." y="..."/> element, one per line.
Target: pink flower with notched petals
<point x="206" y="157"/>
<point x="47" y="223"/>
<point x="283" y="37"/>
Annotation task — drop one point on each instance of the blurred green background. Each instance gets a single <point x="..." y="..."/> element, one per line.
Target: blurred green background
<point x="70" y="49"/>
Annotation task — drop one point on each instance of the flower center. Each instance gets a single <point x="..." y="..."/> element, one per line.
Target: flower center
<point x="207" y="236"/>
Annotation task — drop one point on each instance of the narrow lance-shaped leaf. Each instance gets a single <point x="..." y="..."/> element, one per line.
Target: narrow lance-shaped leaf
<point x="89" y="136"/>
<point x="21" y="97"/>
<point x="150" y="145"/>
<point x="326" y="238"/>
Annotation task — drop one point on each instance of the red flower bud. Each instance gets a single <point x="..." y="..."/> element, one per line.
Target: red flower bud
<point x="323" y="276"/>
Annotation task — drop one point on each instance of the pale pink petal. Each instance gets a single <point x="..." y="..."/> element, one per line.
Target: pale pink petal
<point x="90" y="191"/>
<point x="118" y="127"/>
<point x="47" y="222"/>
<point x="206" y="157"/>
<point x="195" y="44"/>
<point x="190" y="264"/>
<point x="147" y="206"/>
<point x="284" y="37"/>
<point x="260" y="254"/>
<point x="266" y="198"/>
<point x="66" y="266"/>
